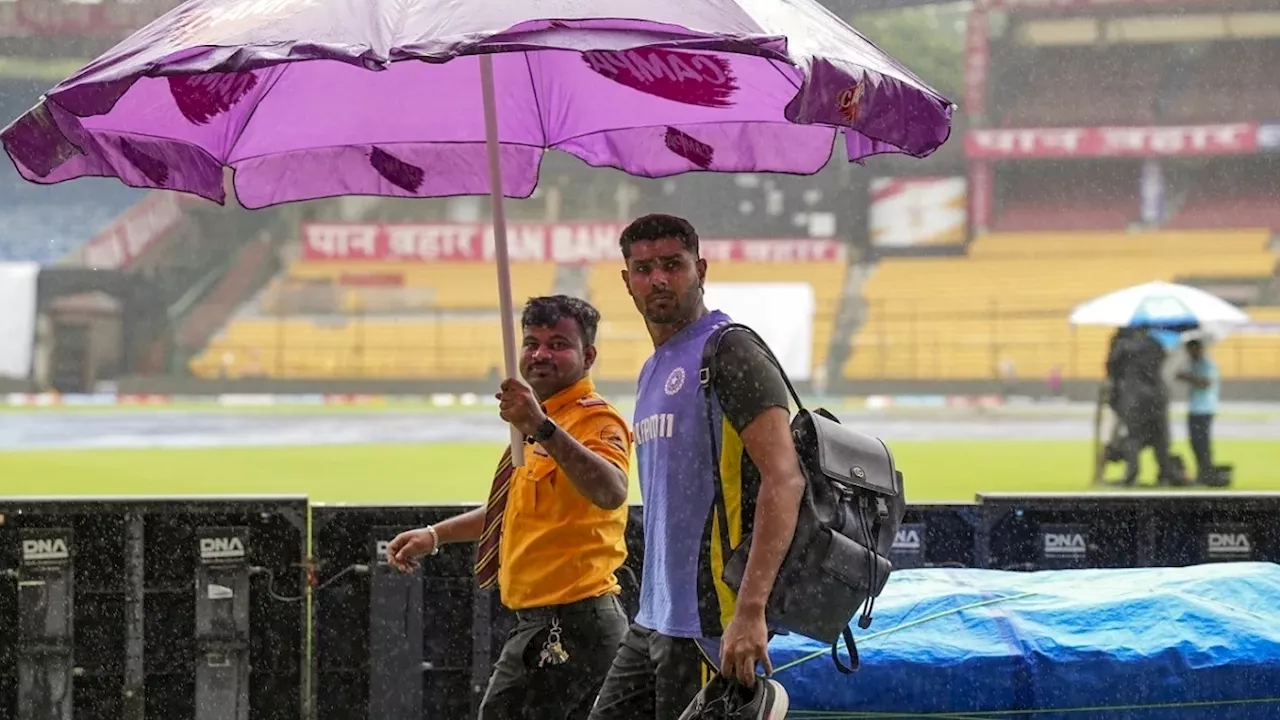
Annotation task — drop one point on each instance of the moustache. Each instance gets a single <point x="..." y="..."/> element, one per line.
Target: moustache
<point x="541" y="366"/>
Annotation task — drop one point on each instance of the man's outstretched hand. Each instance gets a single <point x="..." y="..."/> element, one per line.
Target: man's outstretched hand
<point x="404" y="550"/>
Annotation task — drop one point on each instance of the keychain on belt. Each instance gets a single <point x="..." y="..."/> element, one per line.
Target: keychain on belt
<point x="553" y="653"/>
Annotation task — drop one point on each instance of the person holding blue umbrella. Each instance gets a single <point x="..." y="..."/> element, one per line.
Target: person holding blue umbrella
<point x="1149" y="319"/>
<point x="1141" y="400"/>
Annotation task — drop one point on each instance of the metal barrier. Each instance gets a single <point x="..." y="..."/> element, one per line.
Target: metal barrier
<point x="937" y="536"/>
<point x="1134" y="529"/>
<point x="153" y="608"/>
<point x="195" y="609"/>
<point x="410" y="646"/>
<point x="393" y="646"/>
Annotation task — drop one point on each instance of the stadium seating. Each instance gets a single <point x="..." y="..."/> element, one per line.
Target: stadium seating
<point x="1066" y="87"/>
<point x="45" y="222"/>
<point x="1235" y="191"/>
<point x="1137" y="84"/>
<point x="448" y="286"/>
<point x="624" y="342"/>
<point x="332" y="329"/>
<point x="364" y="319"/>
<point x="346" y="346"/>
<point x="1231" y="82"/>
<point x="1067" y="196"/>
<point x="1008" y="300"/>
<point x="1250" y="354"/>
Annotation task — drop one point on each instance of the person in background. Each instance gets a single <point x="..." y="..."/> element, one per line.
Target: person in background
<point x="1055" y="380"/>
<point x="1118" y="440"/>
<point x="1142" y="402"/>
<point x="552" y="534"/>
<point x="690" y="623"/>
<point x="1201" y="377"/>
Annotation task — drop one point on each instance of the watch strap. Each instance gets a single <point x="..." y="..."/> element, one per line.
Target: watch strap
<point x="545" y="430"/>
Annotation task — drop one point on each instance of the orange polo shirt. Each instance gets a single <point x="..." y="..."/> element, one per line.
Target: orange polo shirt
<point x="557" y="546"/>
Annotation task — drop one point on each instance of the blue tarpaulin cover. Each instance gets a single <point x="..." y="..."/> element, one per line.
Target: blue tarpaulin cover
<point x="1192" y="643"/>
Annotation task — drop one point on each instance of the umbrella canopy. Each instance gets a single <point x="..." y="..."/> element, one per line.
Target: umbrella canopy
<point x="319" y="98"/>
<point x="1162" y="305"/>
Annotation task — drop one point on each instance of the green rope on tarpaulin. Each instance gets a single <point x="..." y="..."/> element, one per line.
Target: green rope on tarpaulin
<point x="904" y="626"/>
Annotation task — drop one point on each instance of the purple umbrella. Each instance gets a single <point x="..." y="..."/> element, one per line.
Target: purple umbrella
<point x="309" y="99"/>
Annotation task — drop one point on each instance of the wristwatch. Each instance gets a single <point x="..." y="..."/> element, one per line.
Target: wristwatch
<point x="544" y="431"/>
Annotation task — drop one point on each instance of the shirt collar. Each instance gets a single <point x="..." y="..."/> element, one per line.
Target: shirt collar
<point x="691" y="330"/>
<point x="568" y="396"/>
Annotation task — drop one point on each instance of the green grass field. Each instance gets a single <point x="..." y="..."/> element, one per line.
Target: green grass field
<point x="936" y="471"/>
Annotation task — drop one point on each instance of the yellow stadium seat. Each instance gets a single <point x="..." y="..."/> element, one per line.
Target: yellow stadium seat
<point x="1248" y="354"/>
<point x="356" y="331"/>
<point x="452" y="286"/>
<point x="1008" y="301"/>
<point x="437" y="348"/>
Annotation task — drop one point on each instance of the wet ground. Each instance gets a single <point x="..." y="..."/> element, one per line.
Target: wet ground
<point x="65" y="429"/>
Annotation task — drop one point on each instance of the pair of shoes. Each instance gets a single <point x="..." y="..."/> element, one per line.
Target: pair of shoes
<point x="725" y="699"/>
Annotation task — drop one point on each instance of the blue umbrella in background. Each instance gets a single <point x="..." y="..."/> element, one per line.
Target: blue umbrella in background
<point x="1168" y="339"/>
<point x="1160" y="306"/>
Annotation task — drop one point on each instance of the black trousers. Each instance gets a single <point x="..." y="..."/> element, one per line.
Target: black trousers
<point x="1148" y="426"/>
<point x="654" y="677"/>
<point x="1200" y="432"/>
<point x="590" y="631"/>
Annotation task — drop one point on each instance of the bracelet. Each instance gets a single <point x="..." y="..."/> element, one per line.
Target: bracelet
<point x="435" y="540"/>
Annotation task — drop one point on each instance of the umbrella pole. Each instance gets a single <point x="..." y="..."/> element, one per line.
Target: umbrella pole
<point x="505" y="304"/>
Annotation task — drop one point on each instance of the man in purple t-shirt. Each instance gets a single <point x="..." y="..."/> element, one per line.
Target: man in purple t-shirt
<point x="690" y="622"/>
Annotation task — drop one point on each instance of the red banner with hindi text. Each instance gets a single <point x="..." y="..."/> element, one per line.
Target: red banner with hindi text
<point x="566" y="243"/>
<point x="1184" y="140"/>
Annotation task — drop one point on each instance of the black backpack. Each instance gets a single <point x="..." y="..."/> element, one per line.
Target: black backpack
<point x="852" y="506"/>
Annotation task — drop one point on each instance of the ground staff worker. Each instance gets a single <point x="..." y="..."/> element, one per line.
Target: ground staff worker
<point x="1201" y="375"/>
<point x="551" y="534"/>
<point x="689" y="619"/>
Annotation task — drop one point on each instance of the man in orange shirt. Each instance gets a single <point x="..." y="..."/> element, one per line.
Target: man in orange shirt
<point x="551" y="534"/>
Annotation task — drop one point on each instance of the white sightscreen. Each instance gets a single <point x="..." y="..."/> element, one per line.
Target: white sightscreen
<point x="782" y="313"/>
<point x="17" y="318"/>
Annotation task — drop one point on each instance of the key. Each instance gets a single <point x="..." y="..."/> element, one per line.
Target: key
<point x="552" y="655"/>
<point x="557" y="653"/>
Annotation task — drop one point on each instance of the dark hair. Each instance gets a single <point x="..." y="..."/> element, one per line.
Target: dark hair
<point x="547" y="310"/>
<point x="656" y="227"/>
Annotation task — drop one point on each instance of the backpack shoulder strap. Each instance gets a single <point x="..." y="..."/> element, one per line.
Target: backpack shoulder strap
<point x="705" y="374"/>
<point x="706" y="382"/>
